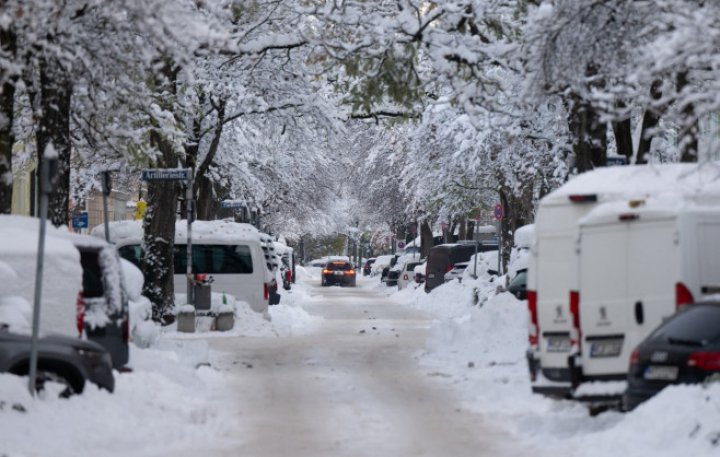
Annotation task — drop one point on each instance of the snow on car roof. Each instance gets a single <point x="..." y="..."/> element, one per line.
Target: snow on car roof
<point x="637" y="181"/>
<point x="19" y="236"/>
<point x="124" y="232"/>
<point x="524" y="236"/>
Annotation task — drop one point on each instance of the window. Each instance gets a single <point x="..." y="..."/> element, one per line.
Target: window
<point x="215" y="259"/>
<point x="207" y="258"/>
<point x="697" y="325"/>
<point x="338" y="266"/>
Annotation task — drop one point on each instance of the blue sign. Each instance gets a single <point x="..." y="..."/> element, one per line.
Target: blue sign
<point x="165" y="174"/>
<point x="499" y="213"/>
<point x="80" y="221"/>
<point x="616" y="160"/>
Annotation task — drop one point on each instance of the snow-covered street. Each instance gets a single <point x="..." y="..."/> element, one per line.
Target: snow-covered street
<point x="353" y="387"/>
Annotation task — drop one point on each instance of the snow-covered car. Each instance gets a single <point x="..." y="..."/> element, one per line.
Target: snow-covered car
<point x="407" y="273"/>
<point x="230" y="252"/>
<point x="456" y="272"/>
<point x="84" y="293"/>
<point x="381" y="262"/>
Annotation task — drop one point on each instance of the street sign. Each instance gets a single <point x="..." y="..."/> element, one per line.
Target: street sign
<point x="401" y="245"/>
<point x="166" y="174"/>
<point x="499" y="213"/>
<point x="80" y="220"/>
<point x="232" y="204"/>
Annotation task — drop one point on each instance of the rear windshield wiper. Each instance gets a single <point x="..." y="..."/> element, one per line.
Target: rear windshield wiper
<point x="685" y="342"/>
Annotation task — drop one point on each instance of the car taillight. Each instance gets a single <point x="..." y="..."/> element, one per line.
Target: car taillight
<point x="682" y="296"/>
<point x="628" y="217"/>
<point x="534" y="329"/>
<point x="350" y="272"/>
<point x="575" y="312"/>
<point x="707" y="361"/>
<point x="326" y="271"/>
<point x="80" y="312"/>
<point x="266" y="291"/>
<point x="288" y="275"/>
<point x="635" y="357"/>
<point x="126" y="330"/>
<point x="449" y="267"/>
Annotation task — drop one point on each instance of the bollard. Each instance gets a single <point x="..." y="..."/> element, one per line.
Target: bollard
<point x="225" y="319"/>
<point x="186" y="319"/>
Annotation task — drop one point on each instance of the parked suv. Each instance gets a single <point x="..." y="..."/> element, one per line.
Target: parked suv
<point x="83" y="286"/>
<point x="444" y="257"/>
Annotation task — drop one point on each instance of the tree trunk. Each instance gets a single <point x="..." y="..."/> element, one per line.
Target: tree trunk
<point x="159" y="223"/>
<point x="651" y="119"/>
<point x="589" y="135"/>
<point x="426" y="239"/>
<point x="517" y="212"/>
<point x="7" y="138"/>
<point x="623" y="138"/>
<point x="54" y="129"/>
<point x="462" y="231"/>
<point x="689" y="127"/>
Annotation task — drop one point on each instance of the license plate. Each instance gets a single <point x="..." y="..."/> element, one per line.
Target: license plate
<point x="558" y="344"/>
<point x="661" y="373"/>
<point x="338" y="273"/>
<point x="606" y="348"/>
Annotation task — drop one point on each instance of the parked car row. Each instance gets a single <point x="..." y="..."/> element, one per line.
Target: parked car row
<point x="617" y="252"/>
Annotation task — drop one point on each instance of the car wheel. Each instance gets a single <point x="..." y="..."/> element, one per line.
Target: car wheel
<point x="68" y="385"/>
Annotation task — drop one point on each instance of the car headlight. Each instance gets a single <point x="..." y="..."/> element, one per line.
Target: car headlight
<point x="94" y="357"/>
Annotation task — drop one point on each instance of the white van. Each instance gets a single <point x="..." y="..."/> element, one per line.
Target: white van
<point x="553" y="264"/>
<point x="639" y="262"/>
<point x="228" y="251"/>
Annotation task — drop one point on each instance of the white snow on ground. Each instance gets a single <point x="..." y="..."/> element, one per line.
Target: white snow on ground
<point x="480" y="353"/>
<point x="167" y="404"/>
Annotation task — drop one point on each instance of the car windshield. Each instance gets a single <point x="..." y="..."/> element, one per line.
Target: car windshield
<point x="519" y="279"/>
<point x="338" y="266"/>
<point x="697" y="325"/>
<point x="411" y="266"/>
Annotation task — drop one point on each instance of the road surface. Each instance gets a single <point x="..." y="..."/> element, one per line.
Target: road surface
<point x="351" y="388"/>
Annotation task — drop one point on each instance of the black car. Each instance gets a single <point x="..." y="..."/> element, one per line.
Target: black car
<point x="338" y="272"/>
<point x="368" y="266"/>
<point x="68" y="361"/>
<point x="393" y="274"/>
<point x="685" y="349"/>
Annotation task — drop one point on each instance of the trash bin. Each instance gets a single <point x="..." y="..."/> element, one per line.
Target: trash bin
<point x="202" y="292"/>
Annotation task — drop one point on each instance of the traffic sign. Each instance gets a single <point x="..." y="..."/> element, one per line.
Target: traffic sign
<point x="232" y="204"/>
<point x="166" y="174"/>
<point x="499" y="213"/>
<point x="80" y="220"/>
<point x="401" y="245"/>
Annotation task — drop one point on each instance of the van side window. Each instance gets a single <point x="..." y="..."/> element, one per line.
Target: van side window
<point x="215" y="259"/>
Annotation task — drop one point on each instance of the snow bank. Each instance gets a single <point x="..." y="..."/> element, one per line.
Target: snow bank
<point x="168" y="405"/>
<point x="479" y="351"/>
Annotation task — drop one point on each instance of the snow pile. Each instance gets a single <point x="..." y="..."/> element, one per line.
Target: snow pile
<point x="292" y="320"/>
<point x="16" y="313"/>
<point x="480" y="352"/>
<point x="167" y="405"/>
